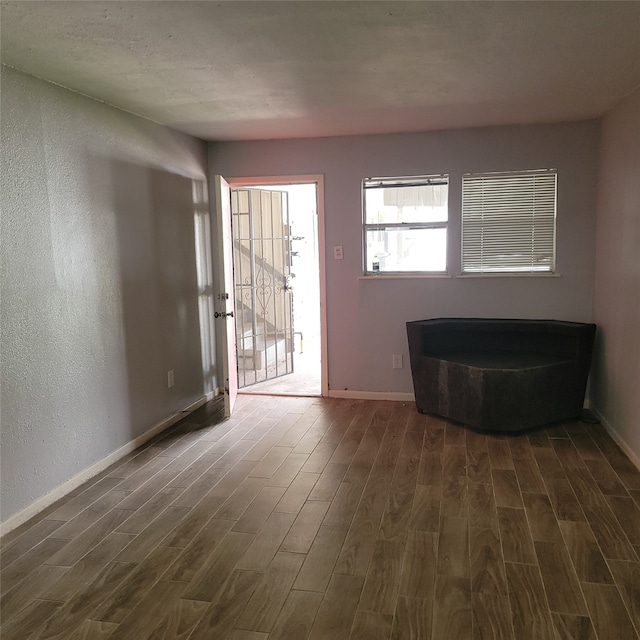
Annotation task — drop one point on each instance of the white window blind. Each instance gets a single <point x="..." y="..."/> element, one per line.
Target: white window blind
<point x="509" y="222"/>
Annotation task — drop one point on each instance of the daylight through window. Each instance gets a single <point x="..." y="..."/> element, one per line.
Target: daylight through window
<point x="405" y="224"/>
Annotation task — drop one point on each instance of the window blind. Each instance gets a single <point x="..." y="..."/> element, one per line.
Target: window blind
<point x="509" y="222"/>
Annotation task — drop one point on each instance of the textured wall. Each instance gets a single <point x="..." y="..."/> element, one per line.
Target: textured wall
<point x="617" y="291"/>
<point x="366" y="317"/>
<point x="99" y="287"/>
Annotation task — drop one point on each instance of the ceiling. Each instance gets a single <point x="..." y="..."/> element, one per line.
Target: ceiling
<point x="255" y="70"/>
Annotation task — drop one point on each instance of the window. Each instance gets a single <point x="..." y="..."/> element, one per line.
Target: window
<point x="405" y="224"/>
<point x="509" y="222"/>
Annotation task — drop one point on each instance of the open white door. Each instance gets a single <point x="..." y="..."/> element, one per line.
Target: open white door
<point x="224" y="297"/>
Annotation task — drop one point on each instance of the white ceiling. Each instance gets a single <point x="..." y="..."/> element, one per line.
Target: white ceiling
<point x="251" y="70"/>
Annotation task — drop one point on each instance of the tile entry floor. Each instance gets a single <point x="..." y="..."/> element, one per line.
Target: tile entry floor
<point x="333" y="520"/>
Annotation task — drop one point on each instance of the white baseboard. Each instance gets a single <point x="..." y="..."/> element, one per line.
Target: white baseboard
<point x="212" y="394"/>
<point x="372" y="395"/>
<point x="629" y="452"/>
<point x="86" y="474"/>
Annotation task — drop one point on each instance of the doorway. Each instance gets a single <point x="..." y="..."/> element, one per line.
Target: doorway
<point x="278" y="286"/>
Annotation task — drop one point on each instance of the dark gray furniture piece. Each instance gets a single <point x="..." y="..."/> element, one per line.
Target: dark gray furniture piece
<point x="500" y="375"/>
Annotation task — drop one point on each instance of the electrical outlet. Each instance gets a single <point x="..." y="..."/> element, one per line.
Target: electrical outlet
<point x="397" y="361"/>
<point x="337" y="252"/>
<point x="170" y="379"/>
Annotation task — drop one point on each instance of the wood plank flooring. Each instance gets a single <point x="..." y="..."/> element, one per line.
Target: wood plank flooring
<point x="325" y="519"/>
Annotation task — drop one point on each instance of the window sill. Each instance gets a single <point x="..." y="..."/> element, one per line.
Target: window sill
<point x="406" y="276"/>
<point x="507" y="275"/>
<point x="448" y="276"/>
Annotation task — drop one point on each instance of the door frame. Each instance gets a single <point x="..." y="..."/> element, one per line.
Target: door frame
<point x="318" y="180"/>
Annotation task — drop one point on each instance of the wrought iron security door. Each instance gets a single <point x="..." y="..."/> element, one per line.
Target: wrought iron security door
<point x="262" y="274"/>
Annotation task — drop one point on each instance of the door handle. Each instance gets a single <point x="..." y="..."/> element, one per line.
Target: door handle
<point x="223" y="314"/>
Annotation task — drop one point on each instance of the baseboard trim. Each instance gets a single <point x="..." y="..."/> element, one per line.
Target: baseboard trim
<point x="372" y="395"/>
<point x="212" y="394"/>
<point x="617" y="438"/>
<point x="86" y="474"/>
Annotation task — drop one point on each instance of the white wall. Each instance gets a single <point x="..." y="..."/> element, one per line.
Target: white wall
<point x="617" y="280"/>
<point x="99" y="292"/>
<point x="366" y="317"/>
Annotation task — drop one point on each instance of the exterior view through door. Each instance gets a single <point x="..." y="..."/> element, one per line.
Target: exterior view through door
<point x="276" y="289"/>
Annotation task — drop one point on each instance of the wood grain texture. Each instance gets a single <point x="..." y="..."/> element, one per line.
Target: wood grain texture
<point x="425" y="512"/>
<point x="478" y="466"/>
<point x="190" y="560"/>
<point x="30" y="620"/>
<point x="338" y="608"/>
<point x="93" y="630"/>
<point x="506" y="489"/>
<point x="305" y="527"/>
<point x="413" y="619"/>
<point x="608" y="613"/>
<point x="383" y="578"/>
<point x="369" y="625"/>
<point x="483" y="513"/>
<point x="453" y="547"/>
<point x="627" y="578"/>
<point x="528" y="475"/>
<point x="491" y="616"/>
<point x="628" y="515"/>
<point x="83" y="606"/>
<point x="316" y="518"/>
<point x="530" y="614"/>
<point x="564" y="500"/>
<point x="218" y="566"/>
<point x="297" y="615"/>
<point x="136" y="586"/>
<point x="542" y="520"/>
<point x="487" y="563"/>
<point x="144" y="615"/>
<point x="87" y="568"/>
<point x="266" y="543"/>
<point x="319" y="563"/>
<point x="559" y="578"/>
<point x="606" y="478"/>
<point x="499" y="454"/>
<point x="297" y="492"/>
<point x="178" y="622"/>
<point x="452" y="613"/>
<point x="37" y="584"/>
<point x="419" y="565"/>
<point x="517" y="543"/>
<point x="20" y="541"/>
<point x="227" y="604"/>
<point x="570" y="627"/>
<point x="263" y="608"/>
<point x="585" y="553"/>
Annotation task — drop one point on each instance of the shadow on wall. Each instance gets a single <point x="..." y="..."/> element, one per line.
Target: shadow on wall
<point x="161" y="226"/>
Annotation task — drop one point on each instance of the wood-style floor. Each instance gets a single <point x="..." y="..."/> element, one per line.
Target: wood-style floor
<point x="335" y="519"/>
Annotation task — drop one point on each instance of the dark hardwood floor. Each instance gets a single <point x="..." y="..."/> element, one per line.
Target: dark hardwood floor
<point x="334" y="520"/>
